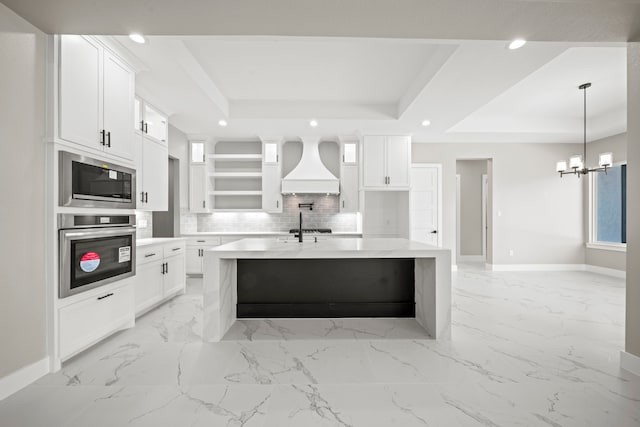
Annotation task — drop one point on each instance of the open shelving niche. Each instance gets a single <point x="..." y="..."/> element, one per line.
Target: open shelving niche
<point x="234" y="176"/>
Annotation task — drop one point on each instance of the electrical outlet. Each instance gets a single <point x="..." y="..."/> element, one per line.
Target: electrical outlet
<point x="510" y="252"/>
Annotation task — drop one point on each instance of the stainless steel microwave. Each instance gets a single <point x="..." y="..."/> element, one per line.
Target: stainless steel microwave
<point x="92" y="183"/>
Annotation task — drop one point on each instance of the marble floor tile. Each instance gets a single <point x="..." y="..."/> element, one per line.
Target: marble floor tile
<point x="527" y="349"/>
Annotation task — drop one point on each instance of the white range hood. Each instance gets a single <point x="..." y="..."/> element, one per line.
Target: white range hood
<point x="310" y="176"/>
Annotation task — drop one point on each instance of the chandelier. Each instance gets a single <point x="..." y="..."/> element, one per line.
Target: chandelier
<point x="576" y="162"/>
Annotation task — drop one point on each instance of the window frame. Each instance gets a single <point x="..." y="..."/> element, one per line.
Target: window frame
<point x="593" y="243"/>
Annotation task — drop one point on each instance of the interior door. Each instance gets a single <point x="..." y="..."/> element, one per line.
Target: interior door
<point x="118" y="107"/>
<point x="80" y="91"/>
<point x="424" y="204"/>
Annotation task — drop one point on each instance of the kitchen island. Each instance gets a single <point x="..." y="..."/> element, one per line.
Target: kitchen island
<point x="254" y="278"/>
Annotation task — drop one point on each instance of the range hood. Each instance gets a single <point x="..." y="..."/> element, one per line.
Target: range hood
<point x="310" y="176"/>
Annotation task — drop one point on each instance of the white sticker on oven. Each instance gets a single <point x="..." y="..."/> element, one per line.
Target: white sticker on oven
<point x="124" y="254"/>
<point x="113" y="174"/>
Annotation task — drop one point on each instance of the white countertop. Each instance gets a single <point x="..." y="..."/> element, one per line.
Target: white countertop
<point x="266" y="233"/>
<point x="157" y="241"/>
<point x="329" y="248"/>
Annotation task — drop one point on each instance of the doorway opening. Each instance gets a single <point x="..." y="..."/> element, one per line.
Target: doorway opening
<point x="473" y="211"/>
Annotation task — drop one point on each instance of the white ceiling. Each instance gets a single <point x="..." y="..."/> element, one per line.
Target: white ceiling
<point x="471" y="91"/>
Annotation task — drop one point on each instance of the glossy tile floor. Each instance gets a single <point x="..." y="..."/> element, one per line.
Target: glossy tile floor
<point x="527" y="349"/>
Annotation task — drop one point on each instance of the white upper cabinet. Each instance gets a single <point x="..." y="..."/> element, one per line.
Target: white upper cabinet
<point x="118" y="106"/>
<point x="154" y="177"/>
<point x="95" y="97"/>
<point x="155" y="124"/>
<point x="198" y="188"/>
<point x="349" y="189"/>
<point x="271" y="177"/>
<point x="386" y="161"/>
<point x="150" y="122"/>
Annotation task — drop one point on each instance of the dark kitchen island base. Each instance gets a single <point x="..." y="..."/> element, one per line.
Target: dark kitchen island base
<point x="332" y="288"/>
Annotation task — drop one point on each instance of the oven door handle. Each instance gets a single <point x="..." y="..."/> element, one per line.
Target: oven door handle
<point x="101" y="232"/>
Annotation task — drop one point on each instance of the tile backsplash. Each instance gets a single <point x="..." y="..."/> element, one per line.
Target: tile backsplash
<point x="325" y="214"/>
<point x="141" y="218"/>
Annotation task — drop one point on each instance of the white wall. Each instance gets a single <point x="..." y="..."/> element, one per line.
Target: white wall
<point x="617" y="145"/>
<point x="471" y="172"/>
<point x="22" y="185"/>
<point x="179" y="149"/>
<point x="535" y="213"/>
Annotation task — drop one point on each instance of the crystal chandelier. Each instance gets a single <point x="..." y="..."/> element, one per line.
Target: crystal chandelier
<point x="576" y="162"/>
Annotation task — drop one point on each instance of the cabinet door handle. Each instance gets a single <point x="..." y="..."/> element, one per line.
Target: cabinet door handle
<point x="146" y="197"/>
<point x="163" y="268"/>
<point x="141" y="125"/>
<point x="200" y="241"/>
<point x="102" y="136"/>
<point x="175" y="249"/>
<point x="142" y="196"/>
<point x="166" y="267"/>
<point x="203" y="204"/>
<point x="109" y="139"/>
<point x="277" y="203"/>
<point x="389" y="180"/>
<point x="201" y="252"/>
<point x="343" y="204"/>
<point x="146" y="128"/>
<point x="150" y="255"/>
<point x="105" y="296"/>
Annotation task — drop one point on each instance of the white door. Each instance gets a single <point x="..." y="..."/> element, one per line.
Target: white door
<point x="424" y="204"/>
<point x="349" y="189"/>
<point x="373" y="162"/>
<point x="148" y="285"/>
<point x="271" y="189"/>
<point x="175" y="275"/>
<point x="80" y="91"/>
<point x="198" y="188"/>
<point x="155" y="176"/>
<point x="193" y="260"/>
<point x="398" y="161"/>
<point x="118" y="107"/>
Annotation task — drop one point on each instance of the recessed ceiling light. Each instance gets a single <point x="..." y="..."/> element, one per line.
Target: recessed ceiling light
<point x="426" y="123"/>
<point x="313" y="123"/>
<point x="138" y="38"/>
<point x="222" y="123"/>
<point x="517" y="44"/>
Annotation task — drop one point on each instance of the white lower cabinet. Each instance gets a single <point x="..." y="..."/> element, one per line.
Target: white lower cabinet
<point x="195" y="252"/>
<point x="89" y="320"/>
<point x="160" y="274"/>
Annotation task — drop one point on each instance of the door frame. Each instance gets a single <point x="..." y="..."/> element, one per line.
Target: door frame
<point x="438" y="167"/>
<point x="485" y="205"/>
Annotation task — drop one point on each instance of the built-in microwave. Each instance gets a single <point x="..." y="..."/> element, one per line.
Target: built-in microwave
<point x="93" y="183"/>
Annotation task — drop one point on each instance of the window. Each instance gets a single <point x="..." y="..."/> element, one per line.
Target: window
<point x="609" y="221"/>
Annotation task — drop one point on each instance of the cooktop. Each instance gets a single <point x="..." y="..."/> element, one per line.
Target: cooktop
<point x="311" y="230"/>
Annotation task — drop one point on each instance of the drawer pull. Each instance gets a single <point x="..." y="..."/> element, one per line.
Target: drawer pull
<point x="176" y="249"/>
<point x="105" y="296"/>
<point x="200" y="241"/>
<point x="149" y="255"/>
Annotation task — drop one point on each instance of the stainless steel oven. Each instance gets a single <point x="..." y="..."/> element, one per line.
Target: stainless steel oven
<point x="93" y="183"/>
<point x="95" y="250"/>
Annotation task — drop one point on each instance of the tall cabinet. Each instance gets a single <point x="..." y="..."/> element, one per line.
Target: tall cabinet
<point x="272" y="175"/>
<point x="151" y="131"/>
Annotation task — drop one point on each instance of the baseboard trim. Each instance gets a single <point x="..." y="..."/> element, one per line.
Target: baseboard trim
<point x="23" y="377"/>
<point x="630" y="362"/>
<point x="537" y="267"/>
<point x="471" y="258"/>
<point x="621" y="274"/>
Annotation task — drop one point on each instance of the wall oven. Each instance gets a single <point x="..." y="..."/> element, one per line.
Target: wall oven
<point x="92" y="183"/>
<point x="95" y="250"/>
